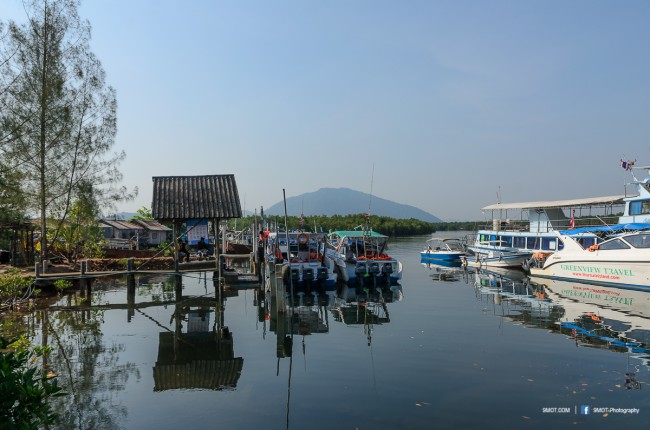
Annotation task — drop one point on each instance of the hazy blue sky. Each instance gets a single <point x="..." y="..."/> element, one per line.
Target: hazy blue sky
<point x="449" y="100"/>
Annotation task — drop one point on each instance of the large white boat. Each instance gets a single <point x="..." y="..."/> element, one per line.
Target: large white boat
<point x="510" y="242"/>
<point x="622" y="260"/>
<point x="360" y="256"/>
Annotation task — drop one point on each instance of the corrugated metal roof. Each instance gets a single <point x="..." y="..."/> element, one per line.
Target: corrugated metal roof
<point x="152" y="225"/>
<point x="195" y="197"/>
<point x="122" y="225"/>
<point x="609" y="200"/>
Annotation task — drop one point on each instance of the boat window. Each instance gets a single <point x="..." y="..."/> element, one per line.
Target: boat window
<point x="549" y="243"/>
<point x="506" y="241"/>
<point x="640" y="207"/>
<point x="519" y="242"/>
<point x="586" y="242"/>
<point x="639" y="240"/>
<point x="613" y="244"/>
<point x="533" y="243"/>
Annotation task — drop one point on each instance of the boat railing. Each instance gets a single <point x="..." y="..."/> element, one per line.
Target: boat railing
<point x="548" y="225"/>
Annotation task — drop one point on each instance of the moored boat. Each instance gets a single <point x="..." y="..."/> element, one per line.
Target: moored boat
<point x="443" y="249"/>
<point x="622" y="260"/>
<point x="300" y="257"/>
<point x="360" y="256"/>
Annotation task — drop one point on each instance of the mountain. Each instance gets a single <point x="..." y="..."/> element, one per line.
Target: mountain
<point x="344" y="201"/>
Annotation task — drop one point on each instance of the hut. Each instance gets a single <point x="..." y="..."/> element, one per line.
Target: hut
<point x="195" y="201"/>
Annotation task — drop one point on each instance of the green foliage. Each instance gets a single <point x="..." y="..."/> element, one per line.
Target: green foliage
<point x="62" y="284"/>
<point x="385" y="225"/>
<point x="143" y="214"/>
<point x="12" y="284"/>
<point x="24" y="389"/>
<point x="56" y="128"/>
<point x="382" y="224"/>
<point x="81" y="236"/>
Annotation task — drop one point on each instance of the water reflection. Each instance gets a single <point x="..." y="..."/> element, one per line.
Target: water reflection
<point x="441" y="270"/>
<point x="308" y="313"/>
<point x="591" y="316"/>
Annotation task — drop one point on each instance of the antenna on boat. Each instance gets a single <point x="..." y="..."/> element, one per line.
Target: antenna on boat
<point x="372" y="179"/>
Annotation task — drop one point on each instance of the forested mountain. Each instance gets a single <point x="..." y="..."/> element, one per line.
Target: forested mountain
<point x="344" y="201"/>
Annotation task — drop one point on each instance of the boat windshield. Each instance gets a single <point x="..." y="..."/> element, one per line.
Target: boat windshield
<point x="641" y="240"/>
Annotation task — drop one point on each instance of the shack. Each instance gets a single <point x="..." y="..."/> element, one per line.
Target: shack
<point x="200" y="203"/>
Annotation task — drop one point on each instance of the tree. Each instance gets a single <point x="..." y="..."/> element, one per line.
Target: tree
<point x="142" y="214"/>
<point x="81" y="235"/>
<point x="58" y="115"/>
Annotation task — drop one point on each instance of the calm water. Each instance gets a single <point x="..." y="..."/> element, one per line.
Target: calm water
<point x="445" y="350"/>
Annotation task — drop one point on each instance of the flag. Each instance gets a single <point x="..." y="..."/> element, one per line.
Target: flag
<point x="626" y="164"/>
<point x="573" y="219"/>
<point x="302" y="219"/>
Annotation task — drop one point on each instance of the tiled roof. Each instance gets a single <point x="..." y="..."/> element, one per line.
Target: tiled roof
<point x="195" y="197"/>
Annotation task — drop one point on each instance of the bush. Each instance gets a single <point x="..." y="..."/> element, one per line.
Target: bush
<point x="12" y="284"/>
<point x="24" y="390"/>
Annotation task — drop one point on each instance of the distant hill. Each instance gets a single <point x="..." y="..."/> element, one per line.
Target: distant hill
<point x="344" y="201"/>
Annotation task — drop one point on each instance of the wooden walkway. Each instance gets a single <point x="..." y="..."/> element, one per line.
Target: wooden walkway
<point x="189" y="267"/>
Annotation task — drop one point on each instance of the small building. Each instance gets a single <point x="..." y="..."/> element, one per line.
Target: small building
<point x="119" y="229"/>
<point x="154" y="232"/>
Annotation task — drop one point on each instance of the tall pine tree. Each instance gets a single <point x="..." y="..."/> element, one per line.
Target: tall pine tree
<point x="58" y="115"/>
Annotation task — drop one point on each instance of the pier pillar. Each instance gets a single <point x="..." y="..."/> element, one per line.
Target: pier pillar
<point x="280" y="289"/>
<point x="37" y="270"/>
<point x="130" y="297"/>
<point x="178" y="288"/>
<point x="87" y="284"/>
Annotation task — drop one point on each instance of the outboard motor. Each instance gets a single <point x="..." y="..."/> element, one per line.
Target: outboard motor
<point x="373" y="268"/>
<point x="295" y="275"/>
<point x="360" y="269"/>
<point x="360" y="272"/>
<point x="321" y="273"/>
<point x="308" y="274"/>
<point x="387" y="269"/>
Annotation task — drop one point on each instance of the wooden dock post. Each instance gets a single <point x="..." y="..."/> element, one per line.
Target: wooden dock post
<point x="280" y="290"/>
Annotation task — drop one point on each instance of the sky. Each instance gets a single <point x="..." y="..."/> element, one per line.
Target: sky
<point x="447" y="106"/>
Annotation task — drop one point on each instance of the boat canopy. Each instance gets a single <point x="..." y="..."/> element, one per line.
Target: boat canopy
<point x="608" y="200"/>
<point x="606" y="229"/>
<point x="356" y="233"/>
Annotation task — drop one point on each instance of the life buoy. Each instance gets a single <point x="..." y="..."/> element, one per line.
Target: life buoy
<point x="303" y="239"/>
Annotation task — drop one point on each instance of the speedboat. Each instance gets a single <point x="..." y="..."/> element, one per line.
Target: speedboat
<point x="360" y="256"/>
<point x="300" y="257"/>
<point x="444" y="249"/>
<point x="621" y="260"/>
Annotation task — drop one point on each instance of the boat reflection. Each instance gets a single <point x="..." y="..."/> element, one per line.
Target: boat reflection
<point x="441" y="270"/>
<point x="306" y="314"/>
<point x="592" y="316"/>
<point x="606" y="317"/>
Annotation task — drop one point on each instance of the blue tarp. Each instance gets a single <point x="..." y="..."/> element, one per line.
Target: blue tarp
<point x="607" y="228"/>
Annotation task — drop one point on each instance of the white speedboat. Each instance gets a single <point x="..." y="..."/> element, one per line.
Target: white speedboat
<point x="360" y="256"/>
<point x="622" y="260"/>
<point x="301" y="258"/>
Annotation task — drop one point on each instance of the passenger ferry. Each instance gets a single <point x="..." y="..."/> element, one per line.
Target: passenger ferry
<point x="535" y="235"/>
